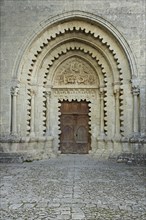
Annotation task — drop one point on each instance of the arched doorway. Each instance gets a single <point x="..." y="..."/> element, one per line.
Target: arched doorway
<point x="75" y="57"/>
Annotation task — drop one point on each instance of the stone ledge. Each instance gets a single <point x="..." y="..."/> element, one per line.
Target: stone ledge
<point x="17" y="139"/>
<point x="135" y="138"/>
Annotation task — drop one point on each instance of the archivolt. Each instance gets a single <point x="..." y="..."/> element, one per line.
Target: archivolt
<point x="99" y="50"/>
<point x="107" y="48"/>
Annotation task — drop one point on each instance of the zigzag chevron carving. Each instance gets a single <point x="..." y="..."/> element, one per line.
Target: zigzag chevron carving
<point x="44" y="43"/>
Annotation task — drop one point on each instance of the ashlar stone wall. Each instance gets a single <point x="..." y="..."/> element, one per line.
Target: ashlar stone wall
<point x="24" y="34"/>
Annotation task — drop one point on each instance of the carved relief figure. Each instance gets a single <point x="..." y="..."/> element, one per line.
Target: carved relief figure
<point x="75" y="71"/>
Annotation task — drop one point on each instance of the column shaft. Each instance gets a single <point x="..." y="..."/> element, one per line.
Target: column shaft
<point x="14" y="92"/>
<point x="48" y="95"/>
<point x="14" y="122"/>
<point x="135" y="112"/>
<point x="117" y="115"/>
<point x="101" y="114"/>
<point x="32" y="115"/>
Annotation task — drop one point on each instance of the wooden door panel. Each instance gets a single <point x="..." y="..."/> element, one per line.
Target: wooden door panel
<point x="67" y="134"/>
<point x="74" y="121"/>
<point x="81" y="135"/>
<point x="81" y="148"/>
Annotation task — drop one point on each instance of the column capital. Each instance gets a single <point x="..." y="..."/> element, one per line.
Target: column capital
<point x="101" y="90"/>
<point x="14" y="90"/>
<point x="116" y="88"/>
<point x="48" y="93"/>
<point x="135" y="86"/>
<point x="33" y="92"/>
<point x="135" y="90"/>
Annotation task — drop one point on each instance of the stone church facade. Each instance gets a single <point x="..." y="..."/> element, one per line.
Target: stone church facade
<point x="73" y="81"/>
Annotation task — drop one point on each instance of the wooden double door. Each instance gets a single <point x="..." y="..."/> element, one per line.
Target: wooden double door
<point x="74" y="124"/>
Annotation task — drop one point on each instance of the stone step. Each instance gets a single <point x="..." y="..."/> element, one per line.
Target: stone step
<point x="11" y="157"/>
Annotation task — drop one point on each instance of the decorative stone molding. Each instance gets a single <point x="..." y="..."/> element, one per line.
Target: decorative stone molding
<point x="81" y="16"/>
<point x="118" y="92"/>
<point x="76" y="72"/>
<point x="72" y="94"/>
<point x="89" y="95"/>
<point x="101" y="92"/>
<point x="71" y="47"/>
<point x="119" y="69"/>
<point x="32" y="114"/>
<point x="47" y="122"/>
<point x="31" y="92"/>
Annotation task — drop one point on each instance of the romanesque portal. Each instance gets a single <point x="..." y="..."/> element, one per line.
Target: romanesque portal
<point x="74" y="90"/>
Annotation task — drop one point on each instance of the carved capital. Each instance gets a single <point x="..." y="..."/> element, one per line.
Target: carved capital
<point x="135" y="86"/>
<point x="14" y="91"/>
<point x="136" y="91"/>
<point x="48" y="93"/>
<point x="101" y="92"/>
<point x="116" y="88"/>
<point x="33" y="92"/>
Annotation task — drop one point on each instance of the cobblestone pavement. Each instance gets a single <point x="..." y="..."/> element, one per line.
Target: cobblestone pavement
<point x="72" y="187"/>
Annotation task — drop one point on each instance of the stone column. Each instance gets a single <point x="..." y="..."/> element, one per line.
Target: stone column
<point x="135" y="92"/>
<point x="48" y="96"/>
<point x="14" y="93"/>
<point x="117" y="111"/>
<point x="102" y="112"/>
<point x="32" y="115"/>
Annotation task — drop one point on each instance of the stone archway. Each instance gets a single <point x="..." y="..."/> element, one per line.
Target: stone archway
<point x="75" y="56"/>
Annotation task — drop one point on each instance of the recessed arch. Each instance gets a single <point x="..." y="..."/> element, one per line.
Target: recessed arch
<point x="70" y="16"/>
<point x="100" y="53"/>
<point x="87" y="71"/>
<point x="75" y="53"/>
<point x="95" y="43"/>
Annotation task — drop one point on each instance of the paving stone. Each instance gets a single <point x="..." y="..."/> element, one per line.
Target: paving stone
<point x="106" y="190"/>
